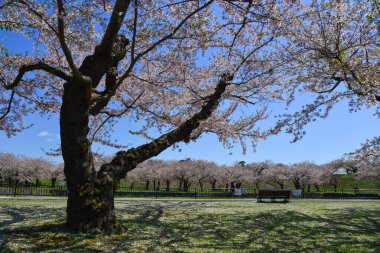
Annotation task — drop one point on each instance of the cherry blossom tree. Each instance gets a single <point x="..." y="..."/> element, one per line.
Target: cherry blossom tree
<point x="367" y="160"/>
<point x="8" y="163"/>
<point x="36" y="168"/>
<point x="185" y="173"/>
<point x="301" y="174"/>
<point x="203" y="171"/>
<point x="336" y="56"/>
<point x="166" y="173"/>
<point x="214" y="176"/>
<point x="237" y="175"/>
<point x="319" y="176"/>
<point x="95" y="62"/>
<point x="368" y="153"/>
<point x="181" y="68"/>
<point x="21" y="169"/>
<point x="332" y="169"/>
<point x="147" y="172"/>
<point x="277" y="173"/>
<point x="57" y="173"/>
<point x="370" y="172"/>
<point x="133" y="177"/>
<point x="258" y="172"/>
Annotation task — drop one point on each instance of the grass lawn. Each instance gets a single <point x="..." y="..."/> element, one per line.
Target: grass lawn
<point x="31" y="225"/>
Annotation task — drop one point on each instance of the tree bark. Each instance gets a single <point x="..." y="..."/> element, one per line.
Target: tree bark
<point x="90" y="204"/>
<point x="258" y="185"/>
<point x="53" y="181"/>
<point x="297" y="183"/>
<point x="213" y="185"/>
<point x="200" y="185"/>
<point x="77" y="156"/>
<point x="167" y="185"/>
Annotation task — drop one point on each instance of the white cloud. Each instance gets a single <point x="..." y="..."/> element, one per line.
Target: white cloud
<point x="49" y="137"/>
<point x="44" y="134"/>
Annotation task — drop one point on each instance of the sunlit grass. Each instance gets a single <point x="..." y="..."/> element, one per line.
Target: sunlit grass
<point x="198" y="226"/>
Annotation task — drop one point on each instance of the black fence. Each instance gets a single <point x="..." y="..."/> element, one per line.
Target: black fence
<point x="33" y="190"/>
<point x="343" y="194"/>
<point x="192" y="192"/>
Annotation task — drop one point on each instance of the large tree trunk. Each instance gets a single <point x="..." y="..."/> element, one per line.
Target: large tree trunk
<point x="76" y="152"/>
<point x="186" y="185"/>
<point x="297" y="183"/>
<point x="90" y="204"/>
<point x="257" y="185"/>
<point x="213" y="185"/>
<point x="38" y="182"/>
<point x="232" y="188"/>
<point x="200" y="185"/>
<point x="53" y="181"/>
<point x="167" y="185"/>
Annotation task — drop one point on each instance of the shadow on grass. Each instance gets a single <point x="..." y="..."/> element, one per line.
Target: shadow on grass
<point x="193" y="227"/>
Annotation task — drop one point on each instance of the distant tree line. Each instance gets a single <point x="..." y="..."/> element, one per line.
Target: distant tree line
<point x="158" y="174"/>
<point x="18" y="170"/>
<point x="161" y="174"/>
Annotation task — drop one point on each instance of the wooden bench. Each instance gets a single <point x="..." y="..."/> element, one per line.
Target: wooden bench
<point x="273" y="195"/>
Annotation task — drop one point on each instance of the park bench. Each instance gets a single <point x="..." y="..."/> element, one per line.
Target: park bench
<point x="273" y="195"/>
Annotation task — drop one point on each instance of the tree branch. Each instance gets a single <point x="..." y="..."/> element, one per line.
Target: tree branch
<point x="338" y="81"/>
<point x="37" y="66"/>
<point x="110" y="92"/>
<point x="116" y="115"/>
<point x="114" y="25"/>
<point x="65" y="48"/>
<point x="134" y="32"/>
<point x="163" y="39"/>
<point x="39" y="15"/>
<point x="125" y="161"/>
<point x="9" y="106"/>
<point x="241" y="27"/>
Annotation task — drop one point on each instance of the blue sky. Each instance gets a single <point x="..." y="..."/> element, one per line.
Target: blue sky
<point x="324" y="141"/>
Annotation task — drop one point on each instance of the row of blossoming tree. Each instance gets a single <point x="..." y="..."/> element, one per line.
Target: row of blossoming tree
<point x="364" y="162"/>
<point x="181" y="68"/>
<point x="181" y="175"/>
<point x="17" y="170"/>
